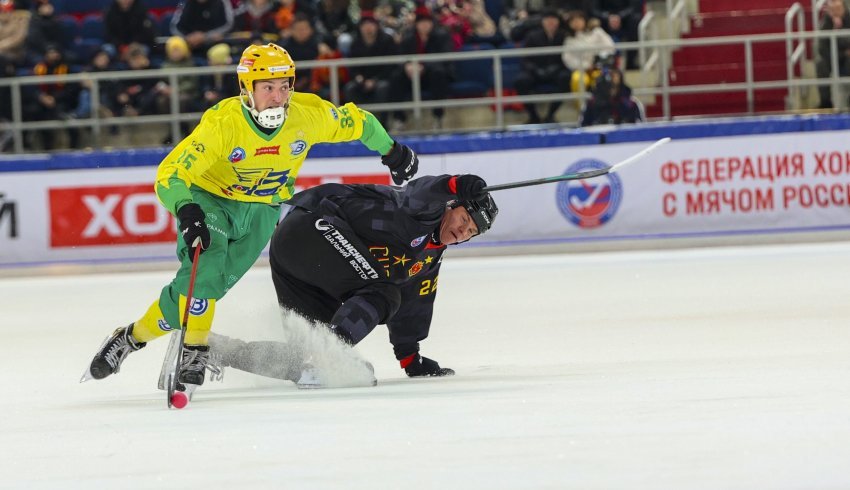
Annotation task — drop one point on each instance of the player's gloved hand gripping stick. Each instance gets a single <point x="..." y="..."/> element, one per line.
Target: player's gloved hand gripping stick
<point x="581" y="175"/>
<point x="174" y="354"/>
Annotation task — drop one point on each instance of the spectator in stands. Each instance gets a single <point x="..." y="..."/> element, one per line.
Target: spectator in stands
<point x="101" y="62"/>
<point x="127" y="22"/>
<point x="611" y="102"/>
<point x="138" y="96"/>
<point x="44" y="29"/>
<point x="336" y="24"/>
<point x="202" y="23"/>
<point x="391" y="14"/>
<point x="177" y="55"/>
<point x="304" y="44"/>
<point x="545" y="73"/>
<point x="219" y="85"/>
<point x="483" y="27"/>
<point x="7" y="70"/>
<point x="449" y="16"/>
<point x="52" y="101"/>
<point x="287" y="12"/>
<point x="836" y="16"/>
<point x="257" y="17"/>
<point x="435" y="76"/>
<point x="14" y="26"/>
<point x="370" y="84"/>
<point x="525" y="16"/>
<point x="469" y="23"/>
<point x="584" y="43"/>
<point x="620" y="19"/>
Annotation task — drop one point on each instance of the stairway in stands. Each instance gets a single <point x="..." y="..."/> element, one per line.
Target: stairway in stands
<point x="725" y="63"/>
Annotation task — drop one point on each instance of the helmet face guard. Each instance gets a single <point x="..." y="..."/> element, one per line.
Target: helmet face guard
<point x="267" y="62"/>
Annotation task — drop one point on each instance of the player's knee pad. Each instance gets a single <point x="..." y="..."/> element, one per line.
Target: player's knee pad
<point x="361" y="313"/>
<point x="386" y="297"/>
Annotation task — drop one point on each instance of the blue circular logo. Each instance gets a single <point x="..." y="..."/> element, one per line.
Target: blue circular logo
<point x="589" y="203"/>
<point x="199" y="307"/>
<point x="237" y="155"/>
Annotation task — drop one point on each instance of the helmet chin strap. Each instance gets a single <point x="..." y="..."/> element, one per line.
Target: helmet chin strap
<point x="270" y="118"/>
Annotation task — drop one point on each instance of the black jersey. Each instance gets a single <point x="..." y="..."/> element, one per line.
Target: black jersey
<point x="399" y="226"/>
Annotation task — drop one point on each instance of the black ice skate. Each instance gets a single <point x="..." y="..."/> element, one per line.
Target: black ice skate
<point x="112" y="353"/>
<point x="195" y="362"/>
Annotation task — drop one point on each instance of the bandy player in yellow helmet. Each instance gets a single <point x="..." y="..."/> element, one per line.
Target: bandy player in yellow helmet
<point x="224" y="183"/>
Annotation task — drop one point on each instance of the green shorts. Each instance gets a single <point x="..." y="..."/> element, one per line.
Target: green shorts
<point x="239" y="231"/>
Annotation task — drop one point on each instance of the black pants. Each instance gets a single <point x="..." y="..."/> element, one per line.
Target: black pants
<point x="325" y="273"/>
<point x="553" y="79"/>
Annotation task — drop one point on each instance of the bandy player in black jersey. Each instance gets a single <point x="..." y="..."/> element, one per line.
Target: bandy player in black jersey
<point x="352" y="257"/>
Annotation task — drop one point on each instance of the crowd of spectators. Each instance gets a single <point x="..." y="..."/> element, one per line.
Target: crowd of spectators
<point x="36" y="40"/>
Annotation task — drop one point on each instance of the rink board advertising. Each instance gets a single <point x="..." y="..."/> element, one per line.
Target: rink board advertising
<point x="702" y="187"/>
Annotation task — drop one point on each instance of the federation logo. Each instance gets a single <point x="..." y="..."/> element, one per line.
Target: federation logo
<point x="418" y="241"/>
<point x="237" y="155"/>
<point x="589" y="203"/>
<point x="297" y="147"/>
<point x="199" y="307"/>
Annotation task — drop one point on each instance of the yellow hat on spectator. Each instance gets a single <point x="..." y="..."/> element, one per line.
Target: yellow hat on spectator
<point x="219" y="54"/>
<point x="177" y="43"/>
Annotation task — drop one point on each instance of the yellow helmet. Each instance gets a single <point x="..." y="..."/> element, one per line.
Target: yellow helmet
<point x="262" y="63"/>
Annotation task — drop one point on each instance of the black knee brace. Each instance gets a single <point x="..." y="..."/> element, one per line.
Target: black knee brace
<point x="367" y="308"/>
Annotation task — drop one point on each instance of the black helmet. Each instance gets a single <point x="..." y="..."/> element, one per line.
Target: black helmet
<point x="483" y="212"/>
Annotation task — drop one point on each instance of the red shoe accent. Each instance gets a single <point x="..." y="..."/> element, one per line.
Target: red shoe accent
<point x="407" y="360"/>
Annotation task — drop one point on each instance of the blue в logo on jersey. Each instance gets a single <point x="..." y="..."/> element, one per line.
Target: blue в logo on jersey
<point x="199" y="307"/>
<point x="163" y="325"/>
<point x="297" y="147"/>
<point x="237" y="155"/>
<point x="589" y="203"/>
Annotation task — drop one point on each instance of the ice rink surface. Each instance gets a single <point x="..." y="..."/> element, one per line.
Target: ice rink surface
<point x="723" y="368"/>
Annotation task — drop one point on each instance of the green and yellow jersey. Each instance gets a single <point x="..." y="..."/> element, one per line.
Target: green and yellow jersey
<point x="229" y="156"/>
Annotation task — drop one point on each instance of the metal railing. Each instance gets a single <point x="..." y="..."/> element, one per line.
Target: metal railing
<point x="677" y="18"/>
<point x="795" y="55"/>
<point x="497" y="56"/>
<point x="647" y="31"/>
<point x="817" y="6"/>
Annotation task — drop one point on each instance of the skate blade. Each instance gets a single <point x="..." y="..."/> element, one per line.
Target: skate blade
<point x="86" y="375"/>
<point x="309" y="380"/>
<point x="189" y="390"/>
<point x="309" y="386"/>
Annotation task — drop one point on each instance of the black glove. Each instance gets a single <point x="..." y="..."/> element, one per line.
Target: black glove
<point x="470" y="187"/>
<point x="417" y="366"/>
<point x="193" y="226"/>
<point x="402" y="161"/>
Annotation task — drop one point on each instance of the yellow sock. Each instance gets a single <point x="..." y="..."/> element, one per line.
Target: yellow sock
<point x="151" y="325"/>
<point x="200" y="320"/>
